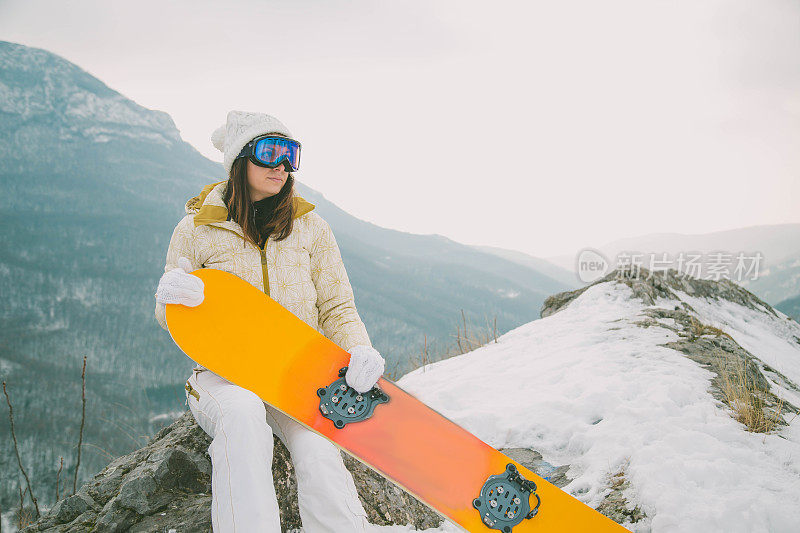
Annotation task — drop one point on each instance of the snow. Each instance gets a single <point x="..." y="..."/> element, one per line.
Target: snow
<point x="6" y="367"/>
<point x="774" y="340"/>
<point x="507" y="293"/>
<point x="597" y="392"/>
<point x="86" y="105"/>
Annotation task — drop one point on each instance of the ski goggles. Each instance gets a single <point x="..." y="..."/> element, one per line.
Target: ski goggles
<point x="271" y="151"/>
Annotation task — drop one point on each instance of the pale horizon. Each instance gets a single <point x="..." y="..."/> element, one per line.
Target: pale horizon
<point x="523" y="127"/>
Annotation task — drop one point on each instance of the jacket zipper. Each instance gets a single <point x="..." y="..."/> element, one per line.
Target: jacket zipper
<point x="263" y="253"/>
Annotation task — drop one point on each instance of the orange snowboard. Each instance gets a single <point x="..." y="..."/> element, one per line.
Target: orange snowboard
<point x="249" y="339"/>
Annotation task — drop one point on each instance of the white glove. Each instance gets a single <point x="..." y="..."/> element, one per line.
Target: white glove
<point x="365" y="368"/>
<point x="179" y="287"/>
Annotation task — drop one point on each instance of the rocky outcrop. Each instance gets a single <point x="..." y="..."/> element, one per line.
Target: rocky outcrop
<point x="648" y="286"/>
<point x="615" y="505"/>
<point x="740" y="380"/>
<point x="167" y="485"/>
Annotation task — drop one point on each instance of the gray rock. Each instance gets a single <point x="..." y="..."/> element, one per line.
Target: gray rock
<point x="73" y="506"/>
<point x="531" y="459"/>
<point x="648" y="286"/>
<point x="740" y="380"/>
<point x="615" y="505"/>
<point x="167" y="485"/>
<point x="113" y="518"/>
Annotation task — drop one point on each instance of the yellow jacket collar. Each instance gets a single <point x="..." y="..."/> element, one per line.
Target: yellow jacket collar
<point x="208" y="207"/>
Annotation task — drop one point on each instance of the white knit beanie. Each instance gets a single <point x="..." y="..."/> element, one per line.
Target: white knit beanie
<point x="240" y="128"/>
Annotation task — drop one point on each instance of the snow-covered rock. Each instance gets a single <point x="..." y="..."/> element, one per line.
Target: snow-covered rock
<point x="620" y="380"/>
<point x="37" y="85"/>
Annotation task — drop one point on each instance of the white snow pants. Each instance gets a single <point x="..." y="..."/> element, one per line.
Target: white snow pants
<point x="243" y="496"/>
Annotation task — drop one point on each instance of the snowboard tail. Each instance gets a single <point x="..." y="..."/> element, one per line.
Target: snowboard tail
<point x="243" y="335"/>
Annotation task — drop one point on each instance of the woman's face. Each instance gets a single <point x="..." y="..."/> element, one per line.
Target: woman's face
<point x="263" y="182"/>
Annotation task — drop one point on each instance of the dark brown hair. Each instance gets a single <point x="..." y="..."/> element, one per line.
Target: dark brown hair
<point x="280" y="207"/>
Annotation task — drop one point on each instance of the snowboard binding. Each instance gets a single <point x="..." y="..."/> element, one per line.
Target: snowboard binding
<point x="343" y="405"/>
<point x="504" y="500"/>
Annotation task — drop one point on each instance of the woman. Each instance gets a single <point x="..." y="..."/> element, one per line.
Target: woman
<point x="255" y="227"/>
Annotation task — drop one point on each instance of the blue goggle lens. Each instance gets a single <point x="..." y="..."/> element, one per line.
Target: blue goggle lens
<point x="274" y="150"/>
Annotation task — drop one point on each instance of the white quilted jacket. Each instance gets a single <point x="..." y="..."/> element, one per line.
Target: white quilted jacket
<point x="304" y="272"/>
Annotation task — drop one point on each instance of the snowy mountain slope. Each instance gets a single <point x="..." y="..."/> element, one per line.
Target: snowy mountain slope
<point x="778" y="272"/>
<point x="777" y="242"/>
<point x="790" y="306"/>
<point x="595" y="385"/>
<point x="778" y="282"/>
<point x="86" y="107"/>
<point x="563" y="275"/>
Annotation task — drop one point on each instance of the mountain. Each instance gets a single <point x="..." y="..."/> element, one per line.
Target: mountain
<point x="778" y="282"/>
<point x="409" y="285"/>
<point x="791" y="307"/>
<point x="565" y="276"/>
<point x="90" y="186"/>
<point x="93" y="187"/>
<point x="684" y="392"/>
<point x="776" y="242"/>
<point x="779" y="244"/>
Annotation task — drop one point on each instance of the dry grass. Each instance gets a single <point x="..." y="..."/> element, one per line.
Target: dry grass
<point x="424" y="356"/>
<point x="751" y="405"/>
<point x="466" y="338"/>
<point x="25" y="518"/>
<point x="698" y="329"/>
<point x="25" y="515"/>
<point x="28" y="488"/>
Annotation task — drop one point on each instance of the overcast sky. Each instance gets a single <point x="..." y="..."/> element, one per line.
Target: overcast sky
<point x="538" y="126"/>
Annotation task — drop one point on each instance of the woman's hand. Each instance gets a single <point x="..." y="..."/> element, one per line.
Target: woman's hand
<point x="365" y="368"/>
<point x="179" y="287"/>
